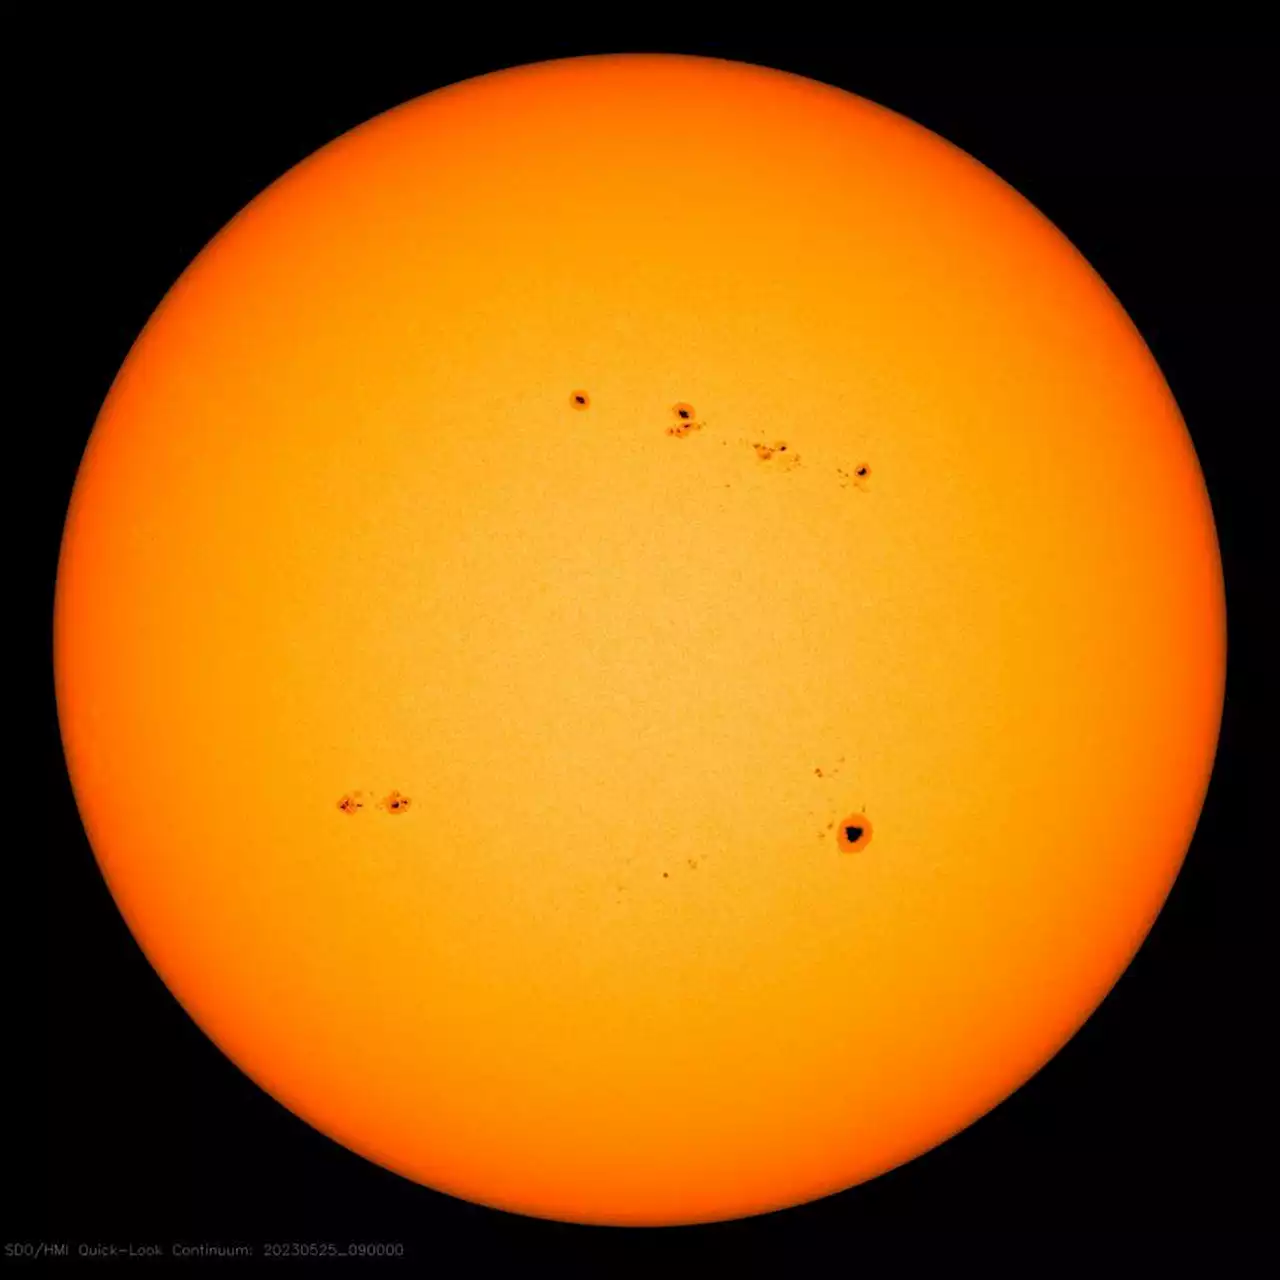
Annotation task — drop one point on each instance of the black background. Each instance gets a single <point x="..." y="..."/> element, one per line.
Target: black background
<point x="1152" y="160"/>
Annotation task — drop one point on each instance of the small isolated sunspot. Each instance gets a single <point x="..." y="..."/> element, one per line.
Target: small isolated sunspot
<point x="854" y="833"/>
<point x="579" y="400"/>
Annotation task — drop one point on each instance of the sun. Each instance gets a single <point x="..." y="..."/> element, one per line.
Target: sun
<point x="639" y="640"/>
